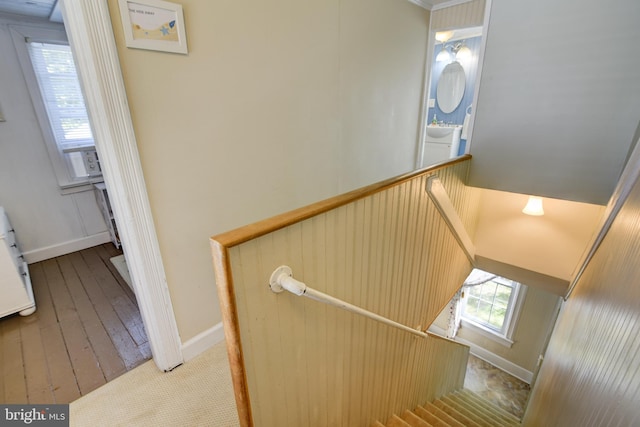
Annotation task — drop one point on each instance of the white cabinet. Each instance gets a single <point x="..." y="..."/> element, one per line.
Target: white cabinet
<point x="16" y="294"/>
<point x="441" y="143"/>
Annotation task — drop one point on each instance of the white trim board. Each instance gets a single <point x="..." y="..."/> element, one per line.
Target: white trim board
<point x="491" y="358"/>
<point x="202" y="342"/>
<point x="48" y="252"/>
<point x="92" y="41"/>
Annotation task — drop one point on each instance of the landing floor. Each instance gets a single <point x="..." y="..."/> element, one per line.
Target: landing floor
<point x="497" y="386"/>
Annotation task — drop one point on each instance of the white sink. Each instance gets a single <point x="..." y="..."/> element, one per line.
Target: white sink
<point x="440" y="131"/>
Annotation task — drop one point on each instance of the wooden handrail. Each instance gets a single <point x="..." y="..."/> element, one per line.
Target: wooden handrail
<point x="260" y="228"/>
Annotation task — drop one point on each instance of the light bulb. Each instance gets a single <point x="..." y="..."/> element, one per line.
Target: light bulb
<point x="534" y="206"/>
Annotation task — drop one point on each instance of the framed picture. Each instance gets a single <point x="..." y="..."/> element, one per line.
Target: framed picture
<point x="153" y="25"/>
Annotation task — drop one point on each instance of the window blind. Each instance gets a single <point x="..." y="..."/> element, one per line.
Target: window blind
<point x="56" y="74"/>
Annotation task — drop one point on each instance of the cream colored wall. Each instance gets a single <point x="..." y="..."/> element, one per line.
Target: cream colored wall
<point x="534" y="324"/>
<point x="469" y="14"/>
<point x="278" y="104"/>
<point x="550" y="245"/>
<point x="591" y="373"/>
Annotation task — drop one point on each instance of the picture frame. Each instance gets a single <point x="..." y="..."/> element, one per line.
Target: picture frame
<point x="153" y="25"/>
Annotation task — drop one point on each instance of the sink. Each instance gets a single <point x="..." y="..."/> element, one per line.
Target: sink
<point x="440" y="131"/>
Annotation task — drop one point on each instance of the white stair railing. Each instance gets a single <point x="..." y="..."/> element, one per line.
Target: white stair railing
<point x="282" y="280"/>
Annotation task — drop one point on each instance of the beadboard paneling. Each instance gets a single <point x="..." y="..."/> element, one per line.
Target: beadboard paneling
<point x="591" y="373"/>
<point x="470" y="14"/>
<point x="391" y="253"/>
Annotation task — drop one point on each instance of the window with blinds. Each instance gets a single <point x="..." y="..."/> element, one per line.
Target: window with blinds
<point x="63" y="112"/>
<point x="61" y="94"/>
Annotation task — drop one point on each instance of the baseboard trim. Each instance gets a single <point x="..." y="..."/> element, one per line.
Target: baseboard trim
<point x="492" y="358"/>
<point x="60" y="249"/>
<point x="202" y="342"/>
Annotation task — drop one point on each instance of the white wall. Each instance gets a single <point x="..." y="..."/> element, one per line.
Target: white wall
<point x="47" y="222"/>
<point x="278" y="104"/>
<point x="558" y="100"/>
<point x="516" y="245"/>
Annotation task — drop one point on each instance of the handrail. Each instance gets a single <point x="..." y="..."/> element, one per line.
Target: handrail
<point x="282" y="280"/>
<point x="628" y="177"/>
<point x="260" y="228"/>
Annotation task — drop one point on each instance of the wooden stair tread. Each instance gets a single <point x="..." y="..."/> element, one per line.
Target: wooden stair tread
<point x="461" y="408"/>
<point x="430" y="417"/>
<point x="414" y="420"/>
<point x="443" y="415"/>
<point x="487" y="408"/>
<point x="472" y="413"/>
<point x="396" y="421"/>
<point x="481" y="401"/>
<point x="454" y="413"/>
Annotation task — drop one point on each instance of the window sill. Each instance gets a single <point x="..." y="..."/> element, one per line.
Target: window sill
<point x="80" y="187"/>
<point x="487" y="333"/>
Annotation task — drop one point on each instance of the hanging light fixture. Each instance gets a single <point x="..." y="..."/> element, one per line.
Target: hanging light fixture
<point x="463" y="53"/>
<point x="534" y="206"/>
<point x="444" y="36"/>
<point x="444" y="54"/>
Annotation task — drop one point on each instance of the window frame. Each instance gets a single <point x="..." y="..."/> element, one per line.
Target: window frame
<point x="514" y="307"/>
<point x="61" y="162"/>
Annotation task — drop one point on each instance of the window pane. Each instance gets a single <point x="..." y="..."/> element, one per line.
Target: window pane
<point x="503" y="294"/>
<point x="488" y="291"/>
<point x="472" y="306"/>
<point x="476" y="291"/>
<point x="488" y="304"/>
<point x="497" y="317"/>
<point x="56" y="74"/>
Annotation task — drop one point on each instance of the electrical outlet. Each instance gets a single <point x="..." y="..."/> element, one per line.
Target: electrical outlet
<point x="432" y="102"/>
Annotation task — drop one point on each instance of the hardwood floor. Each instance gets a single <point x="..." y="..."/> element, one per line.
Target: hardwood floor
<point x="87" y="330"/>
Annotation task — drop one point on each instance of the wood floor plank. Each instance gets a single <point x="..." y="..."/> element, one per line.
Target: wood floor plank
<point x="108" y="357"/>
<point x="106" y="252"/>
<point x="72" y="343"/>
<point x="85" y="364"/>
<point x="44" y="306"/>
<point x="127" y="310"/>
<point x="62" y="378"/>
<point x="35" y="363"/>
<point x="15" y="387"/>
<point x="127" y="347"/>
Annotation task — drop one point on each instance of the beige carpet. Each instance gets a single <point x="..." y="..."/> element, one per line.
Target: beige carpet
<point x="198" y="393"/>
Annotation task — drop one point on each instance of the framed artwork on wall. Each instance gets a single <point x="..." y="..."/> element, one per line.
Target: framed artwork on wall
<point x="153" y="25"/>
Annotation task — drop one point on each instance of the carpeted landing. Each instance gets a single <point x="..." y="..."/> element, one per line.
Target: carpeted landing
<point x="198" y="393"/>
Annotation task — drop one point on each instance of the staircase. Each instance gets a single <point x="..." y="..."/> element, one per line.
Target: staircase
<point x="461" y="408"/>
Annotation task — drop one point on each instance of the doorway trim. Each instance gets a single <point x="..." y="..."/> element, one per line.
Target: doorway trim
<point x="91" y="38"/>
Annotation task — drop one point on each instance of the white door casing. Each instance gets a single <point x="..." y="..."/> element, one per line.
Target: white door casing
<point x="91" y="37"/>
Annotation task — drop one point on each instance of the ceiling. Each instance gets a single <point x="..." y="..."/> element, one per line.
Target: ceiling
<point x="42" y="9"/>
